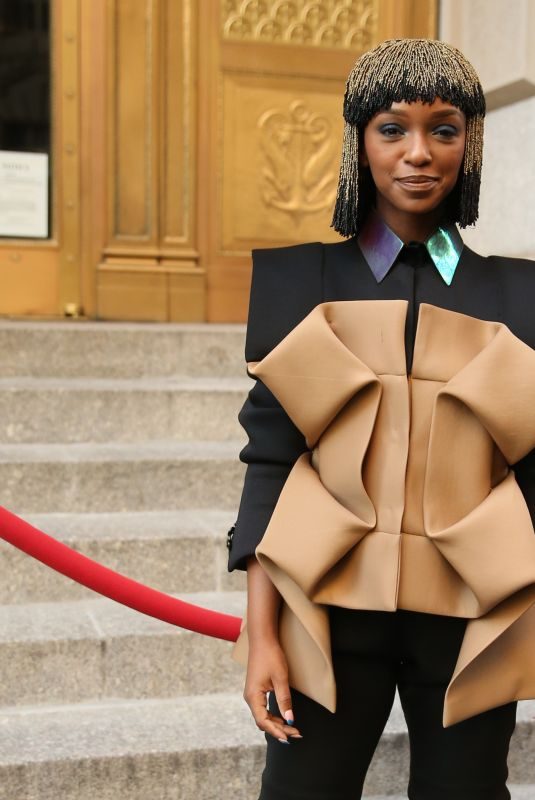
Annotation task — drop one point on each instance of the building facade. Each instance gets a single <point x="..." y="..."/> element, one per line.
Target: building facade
<point x="147" y="145"/>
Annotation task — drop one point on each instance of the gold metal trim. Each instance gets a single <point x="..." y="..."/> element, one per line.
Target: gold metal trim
<point x="334" y="24"/>
<point x="162" y="268"/>
<point x="68" y="152"/>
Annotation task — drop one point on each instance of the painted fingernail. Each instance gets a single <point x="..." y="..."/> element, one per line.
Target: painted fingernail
<point x="289" y="717"/>
<point x="295" y="736"/>
<point x="284" y="741"/>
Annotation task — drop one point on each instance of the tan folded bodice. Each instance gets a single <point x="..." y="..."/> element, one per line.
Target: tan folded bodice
<point x="406" y="498"/>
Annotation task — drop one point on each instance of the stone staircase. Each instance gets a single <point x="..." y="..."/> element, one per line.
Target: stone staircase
<point x="122" y="441"/>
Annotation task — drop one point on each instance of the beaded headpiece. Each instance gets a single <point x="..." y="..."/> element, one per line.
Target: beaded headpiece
<point x="407" y="70"/>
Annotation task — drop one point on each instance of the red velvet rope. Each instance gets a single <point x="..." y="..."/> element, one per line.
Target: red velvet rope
<point x="114" y="585"/>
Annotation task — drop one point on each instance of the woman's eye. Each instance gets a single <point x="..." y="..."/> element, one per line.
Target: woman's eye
<point x="391" y="130"/>
<point x="447" y="131"/>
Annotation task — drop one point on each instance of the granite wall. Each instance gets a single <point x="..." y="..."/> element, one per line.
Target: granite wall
<point x="498" y="36"/>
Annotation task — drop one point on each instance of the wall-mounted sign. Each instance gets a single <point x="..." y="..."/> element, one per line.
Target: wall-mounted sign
<point x="23" y="194"/>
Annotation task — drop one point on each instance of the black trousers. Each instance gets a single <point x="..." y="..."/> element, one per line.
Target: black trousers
<point x="373" y="653"/>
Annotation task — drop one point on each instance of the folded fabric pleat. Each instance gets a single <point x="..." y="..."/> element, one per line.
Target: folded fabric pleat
<point x="406" y="498"/>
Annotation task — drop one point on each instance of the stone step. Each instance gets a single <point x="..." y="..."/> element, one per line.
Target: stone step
<point x="174" y="551"/>
<point x="192" y="748"/>
<point x="120" y="349"/>
<point x="102" y="410"/>
<point x="204" y="747"/>
<point x="96" y="649"/>
<point x="120" y="476"/>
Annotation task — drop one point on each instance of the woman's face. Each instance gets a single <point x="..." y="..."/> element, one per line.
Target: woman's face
<point x="414" y="152"/>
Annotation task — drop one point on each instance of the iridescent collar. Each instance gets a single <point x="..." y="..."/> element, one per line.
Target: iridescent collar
<point x="380" y="247"/>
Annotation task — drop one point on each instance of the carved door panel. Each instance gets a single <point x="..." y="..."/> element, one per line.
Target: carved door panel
<point x="144" y="172"/>
<point x="272" y="77"/>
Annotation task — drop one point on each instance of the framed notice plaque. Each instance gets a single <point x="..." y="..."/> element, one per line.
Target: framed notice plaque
<point x="23" y="194"/>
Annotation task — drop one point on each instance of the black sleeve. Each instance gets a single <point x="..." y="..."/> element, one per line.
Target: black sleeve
<point x="525" y="476"/>
<point x="286" y="286"/>
<point x="518" y="290"/>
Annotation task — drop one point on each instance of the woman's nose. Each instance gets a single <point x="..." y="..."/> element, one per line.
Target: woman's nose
<point x="417" y="151"/>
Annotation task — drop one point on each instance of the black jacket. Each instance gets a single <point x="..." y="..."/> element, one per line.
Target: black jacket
<point x="289" y="282"/>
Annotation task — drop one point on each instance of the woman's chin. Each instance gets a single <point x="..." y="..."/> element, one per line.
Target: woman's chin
<point x="419" y="205"/>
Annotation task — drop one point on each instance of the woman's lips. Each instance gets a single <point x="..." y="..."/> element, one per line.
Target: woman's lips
<point x="418" y="184"/>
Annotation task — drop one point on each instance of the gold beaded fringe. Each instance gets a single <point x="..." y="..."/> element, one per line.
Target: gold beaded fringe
<point x="407" y="70"/>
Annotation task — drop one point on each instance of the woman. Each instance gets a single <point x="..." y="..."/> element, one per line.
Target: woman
<point x="386" y="540"/>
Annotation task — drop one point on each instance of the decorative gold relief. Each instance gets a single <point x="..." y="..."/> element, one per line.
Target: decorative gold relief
<point x="299" y="176"/>
<point x="279" y="158"/>
<point x="346" y="24"/>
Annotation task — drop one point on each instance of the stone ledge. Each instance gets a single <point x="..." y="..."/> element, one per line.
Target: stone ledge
<point x="142" y="525"/>
<point x="93" y="619"/>
<point x="107" y="350"/>
<point x="99" y="410"/>
<point x="72" y="652"/>
<point x="186" y="383"/>
<point x="209" y="744"/>
<point x="132" y="476"/>
<point x="174" y="551"/>
<point x="76" y="326"/>
<point x="86" y="452"/>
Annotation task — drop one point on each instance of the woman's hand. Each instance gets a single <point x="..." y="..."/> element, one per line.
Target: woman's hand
<point x="267" y="670"/>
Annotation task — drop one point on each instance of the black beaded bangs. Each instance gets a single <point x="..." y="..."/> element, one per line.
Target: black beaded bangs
<point x="408" y="70"/>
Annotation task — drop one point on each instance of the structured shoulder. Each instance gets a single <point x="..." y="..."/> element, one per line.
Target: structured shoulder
<point x="518" y="268"/>
<point x="341" y="246"/>
<point x="517" y="284"/>
<point x="287" y="252"/>
<point x="286" y="285"/>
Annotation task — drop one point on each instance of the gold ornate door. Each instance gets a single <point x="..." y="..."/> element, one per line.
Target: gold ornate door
<point x="183" y="134"/>
<point x="272" y="82"/>
<point x="222" y="123"/>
